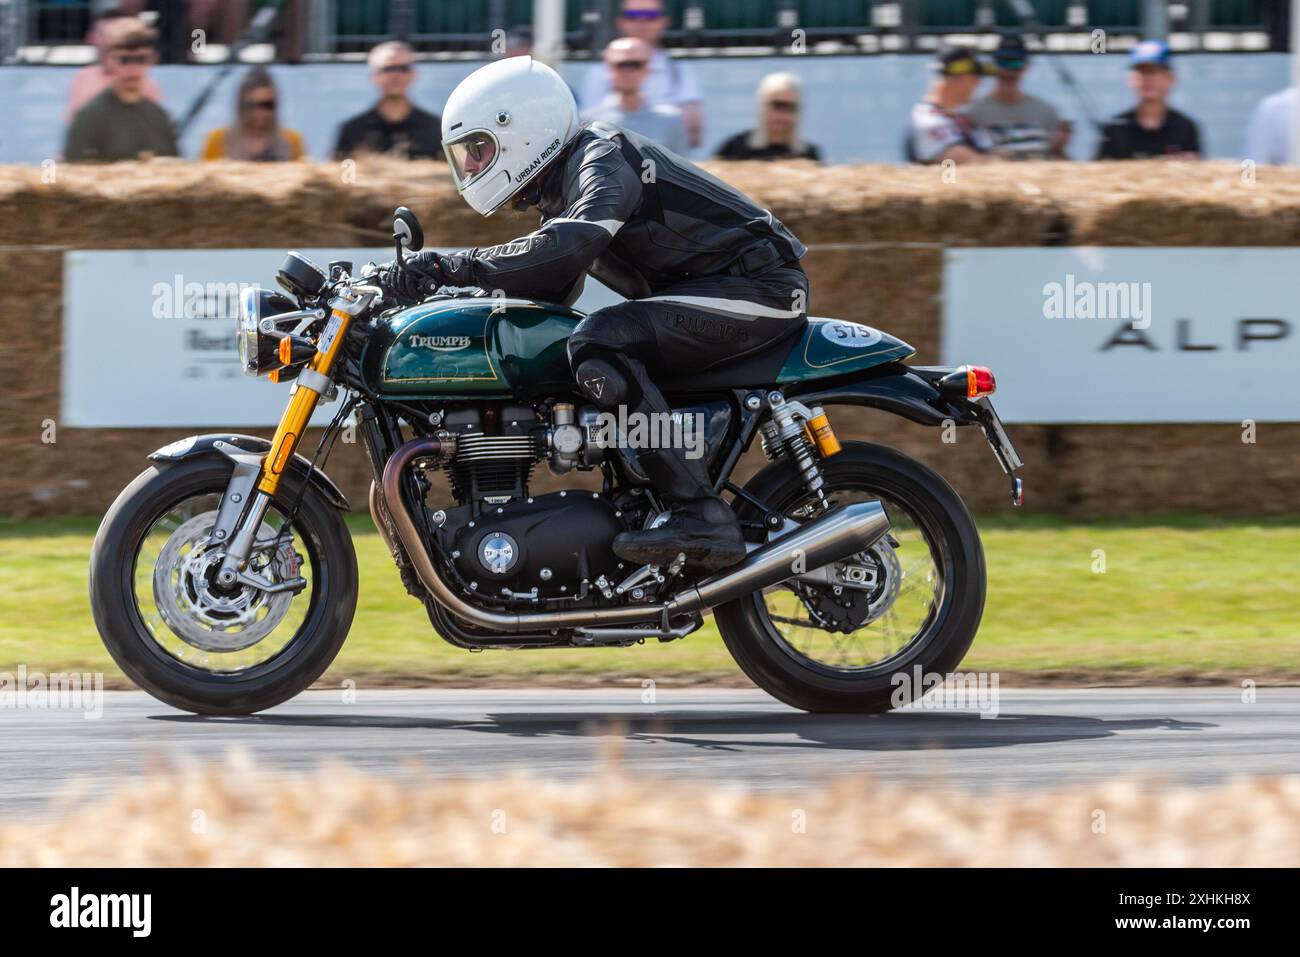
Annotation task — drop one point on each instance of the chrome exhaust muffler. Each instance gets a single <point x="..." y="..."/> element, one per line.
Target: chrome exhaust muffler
<point x="831" y="538"/>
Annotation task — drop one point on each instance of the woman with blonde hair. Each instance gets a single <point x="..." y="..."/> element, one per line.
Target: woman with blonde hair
<point x="256" y="134"/>
<point x="777" y="133"/>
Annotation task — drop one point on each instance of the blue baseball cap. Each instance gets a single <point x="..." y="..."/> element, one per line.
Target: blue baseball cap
<point x="1150" y="52"/>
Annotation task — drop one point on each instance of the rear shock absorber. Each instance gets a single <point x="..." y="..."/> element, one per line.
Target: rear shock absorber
<point x="792" y="437"/>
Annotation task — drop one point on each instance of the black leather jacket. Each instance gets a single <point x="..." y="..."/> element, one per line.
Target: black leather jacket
<point x="634" y="215"/>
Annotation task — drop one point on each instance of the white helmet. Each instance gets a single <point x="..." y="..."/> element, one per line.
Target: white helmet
<point x="501" y="127"/>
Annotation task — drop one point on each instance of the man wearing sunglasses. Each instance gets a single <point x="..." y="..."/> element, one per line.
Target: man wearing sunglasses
<point x="122" y="123"/>
<point x="710" y="278"/>
<point x="93" y="79"/>
<point x="668" y="80"/>
<point x="1018" y="125"/>
<point x="393" y="125"/>
<point x="628" y="61"/>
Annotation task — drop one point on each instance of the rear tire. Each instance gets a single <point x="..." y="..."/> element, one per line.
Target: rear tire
<point x="771" y="663"/>
<point x="319" y="528"/>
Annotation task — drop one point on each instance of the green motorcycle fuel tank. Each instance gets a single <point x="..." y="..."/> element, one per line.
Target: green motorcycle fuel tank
<point x="483" y="348"/>
<point x="478" y="347"/>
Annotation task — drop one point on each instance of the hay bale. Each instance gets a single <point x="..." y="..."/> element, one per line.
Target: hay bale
<point x="235" y="815"/>
<point x="876" y="232"/>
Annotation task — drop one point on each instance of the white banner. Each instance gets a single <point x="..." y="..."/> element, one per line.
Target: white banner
<point x="1129" y="334"/>
<point x="149" y="336"/>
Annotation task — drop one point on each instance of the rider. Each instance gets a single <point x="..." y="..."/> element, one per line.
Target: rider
<point x="709" y="276"/>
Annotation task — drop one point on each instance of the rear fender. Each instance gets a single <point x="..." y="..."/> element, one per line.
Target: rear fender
<point x="893" y="388"/>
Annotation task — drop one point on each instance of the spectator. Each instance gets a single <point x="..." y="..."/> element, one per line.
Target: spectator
<point x="936" y="131"/>
<point x="92" y="80"/>
<point x="1270" y="138"/>
<point x="256" y="134"/>
<point x="519" y="42"/>
<point x="670" y="81"/>
<point x="1153" y="128"/>
<point x="1017" y="124"/>
<point x="394" y="124"/>
<point x="121" y="123"/>
<point x="777" y="133"/>
<point x="628" y="61"/>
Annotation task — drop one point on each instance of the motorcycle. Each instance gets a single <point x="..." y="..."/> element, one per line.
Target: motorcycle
<point x="223" y="579"/>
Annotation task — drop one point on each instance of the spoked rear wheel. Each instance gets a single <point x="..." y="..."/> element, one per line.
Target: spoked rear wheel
<point x="913" y="600"/>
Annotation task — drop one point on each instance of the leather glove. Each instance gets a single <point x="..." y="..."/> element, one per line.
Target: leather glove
<point x="418" y="278"/>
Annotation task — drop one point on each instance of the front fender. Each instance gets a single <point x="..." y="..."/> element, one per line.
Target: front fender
<point x="229" y="443"/>
<point x="893" y="388"/>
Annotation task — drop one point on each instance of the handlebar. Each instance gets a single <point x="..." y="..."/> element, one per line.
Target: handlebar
<point x="356" y="297"/>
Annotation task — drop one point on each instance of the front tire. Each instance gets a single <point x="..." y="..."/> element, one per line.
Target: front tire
<point x="834" y="678"/>
<point x="198" y="665"/>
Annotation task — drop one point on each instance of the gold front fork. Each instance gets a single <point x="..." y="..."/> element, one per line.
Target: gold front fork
<point x="302" y="403"/>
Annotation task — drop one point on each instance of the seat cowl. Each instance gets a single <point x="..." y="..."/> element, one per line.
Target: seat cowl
<point x="836" y="346"/>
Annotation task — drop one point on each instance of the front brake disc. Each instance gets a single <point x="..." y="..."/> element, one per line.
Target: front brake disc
<point x="209" y="617"/>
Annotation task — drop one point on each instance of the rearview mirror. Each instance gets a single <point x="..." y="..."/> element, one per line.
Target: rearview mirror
<point x="407" y="232"/>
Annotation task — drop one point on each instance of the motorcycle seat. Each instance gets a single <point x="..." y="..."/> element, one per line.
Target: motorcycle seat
<point x="760" y="368"/>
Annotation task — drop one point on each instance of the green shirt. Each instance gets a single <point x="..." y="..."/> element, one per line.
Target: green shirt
<point x="107" y="130"/>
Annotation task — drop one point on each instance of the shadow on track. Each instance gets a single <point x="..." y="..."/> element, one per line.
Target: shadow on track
<point x="743" y="731"/>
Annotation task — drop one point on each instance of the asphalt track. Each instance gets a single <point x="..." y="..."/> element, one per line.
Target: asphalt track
<point x="1040" y="738"/>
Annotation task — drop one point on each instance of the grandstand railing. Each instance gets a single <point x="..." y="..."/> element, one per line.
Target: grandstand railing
<point x="335" y="28"/>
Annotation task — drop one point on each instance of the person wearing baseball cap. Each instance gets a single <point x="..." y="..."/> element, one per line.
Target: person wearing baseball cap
<point x="1153" y="128"/>
<point x="936" y="130"/>
<point x="122" y="122"/>
<point x="1017" y="124"/>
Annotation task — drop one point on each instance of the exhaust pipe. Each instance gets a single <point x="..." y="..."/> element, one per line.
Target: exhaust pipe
<point x="831" y="538"/>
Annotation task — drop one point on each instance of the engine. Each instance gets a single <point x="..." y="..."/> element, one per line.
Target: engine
<point x="504" y="543"/>
<point x="508" y="546"/>
<point x="551" y="547"/>
<point x="497" y="447"/>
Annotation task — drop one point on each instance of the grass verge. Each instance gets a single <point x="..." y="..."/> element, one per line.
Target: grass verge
<point x="1173" y="600"/>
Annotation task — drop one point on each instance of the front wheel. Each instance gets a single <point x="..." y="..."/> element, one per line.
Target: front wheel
<point x="857" y="638"/>
<point x="202" y="647"/>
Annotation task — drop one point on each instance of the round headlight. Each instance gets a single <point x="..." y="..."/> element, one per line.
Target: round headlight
<point x="258" y="352"/>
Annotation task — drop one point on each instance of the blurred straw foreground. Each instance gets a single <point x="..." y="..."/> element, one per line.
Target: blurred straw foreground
<point x="235" y="814"/>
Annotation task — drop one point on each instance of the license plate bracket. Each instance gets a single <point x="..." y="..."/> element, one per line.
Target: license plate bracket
<point x="1004" y="450"/>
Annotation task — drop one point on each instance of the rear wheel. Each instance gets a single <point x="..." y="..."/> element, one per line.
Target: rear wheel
<point x="198" y="646"/>
<point x="913" y="600"/>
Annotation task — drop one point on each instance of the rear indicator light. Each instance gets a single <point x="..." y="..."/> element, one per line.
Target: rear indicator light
<point x="979" y="382"/>
<point x="973" y="382"/>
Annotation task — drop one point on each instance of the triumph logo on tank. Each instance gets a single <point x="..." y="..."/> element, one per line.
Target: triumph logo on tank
<point x="438" y="343"/>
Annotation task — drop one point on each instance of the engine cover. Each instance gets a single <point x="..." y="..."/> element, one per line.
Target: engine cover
<point x="551" y="543"/>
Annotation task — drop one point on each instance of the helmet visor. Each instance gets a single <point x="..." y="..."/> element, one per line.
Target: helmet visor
<point x="471" y="156"/>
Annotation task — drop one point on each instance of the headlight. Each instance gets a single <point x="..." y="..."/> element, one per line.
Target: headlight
<point x="258" y="351"/>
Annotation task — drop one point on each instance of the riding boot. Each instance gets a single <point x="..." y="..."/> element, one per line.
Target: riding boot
<point x="701" y="526"/>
